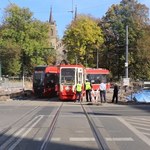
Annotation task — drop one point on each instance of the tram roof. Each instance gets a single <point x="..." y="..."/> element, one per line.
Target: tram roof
<point x="97" y="71"/>
<point x="72" y="65"/>
<point x="46" y="68"/>
<point x="51" y="69"/>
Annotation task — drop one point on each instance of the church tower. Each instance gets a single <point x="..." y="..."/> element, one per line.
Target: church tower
<point x="53" y="31"/>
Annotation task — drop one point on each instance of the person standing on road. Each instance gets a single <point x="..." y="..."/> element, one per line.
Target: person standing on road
<point x="115" y="93"/>
<point x="102" y="88"/>
<point x="78" y="91"/>
<point x="88" y="88"/>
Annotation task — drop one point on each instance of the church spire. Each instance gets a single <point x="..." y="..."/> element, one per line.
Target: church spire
<point x="51" y="16"/>
<point x="75" y="16"/>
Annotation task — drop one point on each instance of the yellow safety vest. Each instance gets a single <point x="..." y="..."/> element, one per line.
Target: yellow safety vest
<point x="79" y="87"/>
<point x="88" y="86"/>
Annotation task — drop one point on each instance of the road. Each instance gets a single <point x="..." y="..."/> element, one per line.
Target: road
<point x="50" y="124"/>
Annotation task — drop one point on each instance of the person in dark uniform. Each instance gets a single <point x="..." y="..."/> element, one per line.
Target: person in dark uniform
<point x="115" y="93"/>
<point x="88" y="88"/>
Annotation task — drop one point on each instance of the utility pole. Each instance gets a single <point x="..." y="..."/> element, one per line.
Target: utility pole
<point x="72" y="11"/>
<point x="97" y="61"/>
<point x="126" y="63"/>
<point x="0" y="70"/>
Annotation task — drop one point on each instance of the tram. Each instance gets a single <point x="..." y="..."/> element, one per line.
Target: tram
<point x="70" y="75"/>
<point x="95" y="75"/>
<point x="45" y="81"/>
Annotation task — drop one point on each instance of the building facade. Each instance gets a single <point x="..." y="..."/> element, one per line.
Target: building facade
<point x="55" y="42"/>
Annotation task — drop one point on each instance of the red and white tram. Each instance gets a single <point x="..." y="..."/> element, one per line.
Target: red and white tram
<point x="70" y="75"/>
<point x="95" y="75"/>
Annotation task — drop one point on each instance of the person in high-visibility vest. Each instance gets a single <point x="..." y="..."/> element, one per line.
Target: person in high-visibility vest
<point x="88" y="88"/>
<point x="78" y="91"/>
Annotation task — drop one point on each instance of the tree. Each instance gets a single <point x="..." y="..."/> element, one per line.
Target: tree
<point x="133" y="14"/>
<point x="142" y="60"/>
<point x="82" y="37"/>
<point x="25" y="38"/>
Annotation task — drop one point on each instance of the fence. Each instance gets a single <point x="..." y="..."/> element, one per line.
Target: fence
<point x="14" y="84"/>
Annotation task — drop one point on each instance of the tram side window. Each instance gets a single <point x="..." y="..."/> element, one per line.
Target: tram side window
<point x="96" y="78"/>
<point x="104" y="78"/>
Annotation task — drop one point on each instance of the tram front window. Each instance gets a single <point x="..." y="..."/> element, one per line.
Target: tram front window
<point x="38" y="78"/>
<point x="68" y="76"/>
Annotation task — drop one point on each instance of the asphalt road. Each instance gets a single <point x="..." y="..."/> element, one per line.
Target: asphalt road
<point x="50" y="124"/>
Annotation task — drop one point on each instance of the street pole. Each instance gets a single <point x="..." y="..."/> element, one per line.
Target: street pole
<point x="97" y="58"/>
<point x="76" y="59"/>
<point x="126" y="63"/>
<point x="23" y="60"/>
<point x="0" y="70"/>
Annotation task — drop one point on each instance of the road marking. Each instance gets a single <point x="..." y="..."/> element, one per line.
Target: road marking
<point x="27" y="131"/>
<point x="33" y="122"/>
<point x="142" y="128"/>
<point x="146" y="133"/>
<point x="120" y="139"/>
<point x="138" y="119"/>
<point x="140" y="124"/>
<point x="55" y="139"/>
<point x="81" y="139"/>
<point x="135" y="131"/>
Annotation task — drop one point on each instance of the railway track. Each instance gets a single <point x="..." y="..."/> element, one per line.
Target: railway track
<point x="32" y="122"/>
<point x="98" y="137"/>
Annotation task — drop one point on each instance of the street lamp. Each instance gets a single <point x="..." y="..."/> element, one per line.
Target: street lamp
<point x="126" y="63"/>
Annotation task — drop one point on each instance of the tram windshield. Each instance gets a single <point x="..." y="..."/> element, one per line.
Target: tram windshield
<point x="38" y="78"/>
<point x="67" y="76"/>
<point x="96" y="78"/>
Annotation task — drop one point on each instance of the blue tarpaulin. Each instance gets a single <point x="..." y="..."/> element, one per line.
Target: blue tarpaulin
<point x="141" y="96"/>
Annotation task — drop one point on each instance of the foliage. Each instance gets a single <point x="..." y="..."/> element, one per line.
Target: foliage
<point x="142" y="60"/>
<point x="23" y="38"/>
<point x="82" y="38"/>
<point x="135" y="16"/>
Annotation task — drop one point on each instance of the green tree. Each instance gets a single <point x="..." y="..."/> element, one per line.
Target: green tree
<point x="133" y="14"/>
<point x="25" y="38"/>
<point x="82" y="38"/>
<point x="142" y="61"/>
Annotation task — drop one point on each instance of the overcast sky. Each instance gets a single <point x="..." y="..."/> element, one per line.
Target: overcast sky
<point x="62" y="8"/>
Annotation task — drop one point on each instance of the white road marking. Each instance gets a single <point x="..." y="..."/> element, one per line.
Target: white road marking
<point x="138" y="120"/>
<point x="135" y="131"/>
<point x="146" y="133"/>
<point x="55" y="139"/>
<point x="27" y="131"/>
<point x="140" y="124"/>
<point x="120" y="139"/>
<point x="20" y="131"/>
<point x="142" y="128"/>
<point x="81" y="139"/>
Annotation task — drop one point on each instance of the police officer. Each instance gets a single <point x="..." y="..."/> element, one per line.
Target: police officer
<point x="78" y="91"/>
<point x="88" y="88"/>
<point x="115" y="93"/>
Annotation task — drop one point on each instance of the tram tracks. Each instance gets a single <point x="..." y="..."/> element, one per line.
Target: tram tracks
<point x="98" y="137"/>
<point x="51" y="128"/>
<point x="11" y="136"/>
<point x="7" y="133"/>
<point x="20" y="133"/>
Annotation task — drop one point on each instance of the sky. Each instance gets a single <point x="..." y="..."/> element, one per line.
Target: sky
<point x="62" y="9"/>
